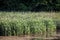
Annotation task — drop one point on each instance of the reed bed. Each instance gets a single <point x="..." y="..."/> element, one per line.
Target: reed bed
<point x="20" y="23"/>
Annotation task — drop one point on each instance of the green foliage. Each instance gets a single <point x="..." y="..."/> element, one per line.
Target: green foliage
<point x="50" y="27"/>
<point x="26" y="24"/>
<point x="58" y="24"/>
<point x="28" y="5"/>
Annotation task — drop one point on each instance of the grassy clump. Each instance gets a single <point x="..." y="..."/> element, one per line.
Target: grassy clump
<point x="12" y="25"/>
<point x="27" y="27"/>
<point x="50" y="27"/>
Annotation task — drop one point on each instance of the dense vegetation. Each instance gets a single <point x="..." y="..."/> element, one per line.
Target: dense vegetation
<point x="14" y="23"/>
<point x="30" y="5"/>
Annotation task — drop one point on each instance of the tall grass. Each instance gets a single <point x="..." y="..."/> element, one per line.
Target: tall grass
<point x="26" y="24"/>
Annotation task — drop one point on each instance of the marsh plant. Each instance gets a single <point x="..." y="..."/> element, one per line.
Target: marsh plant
<point x="26" y="24"/>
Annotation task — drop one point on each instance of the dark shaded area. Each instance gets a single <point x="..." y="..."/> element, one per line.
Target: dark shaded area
<point x="29" y="5"/>
<point x="40" y="7"/>
<point x="1" y="32"/>
<point x="58" y="25"/>
<point x="58" y="30"/>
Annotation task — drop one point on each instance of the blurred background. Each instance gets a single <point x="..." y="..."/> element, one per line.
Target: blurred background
<point x="30" y="5"/>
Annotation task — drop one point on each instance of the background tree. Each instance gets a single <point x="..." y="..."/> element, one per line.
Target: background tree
<point x="30" y="5"/>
